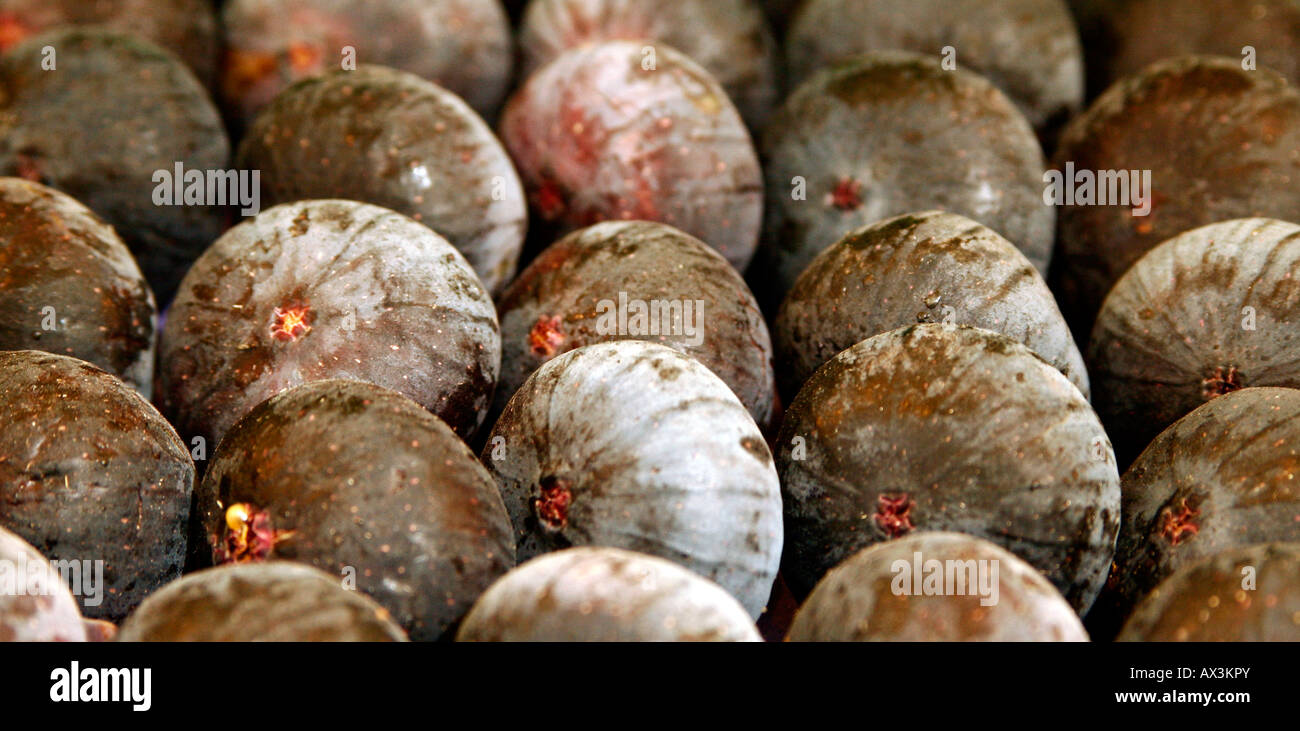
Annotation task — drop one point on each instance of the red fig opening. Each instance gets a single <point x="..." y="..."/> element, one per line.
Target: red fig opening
<point x="547" y="336"/>
<point x="894" y="514"/>
<point x="847" y="195"/>
<point x="1178" y="521"/>
<point x="249" y="535"/>
<point x="553" y="506"/>
<point x="1221" y="381"/>
<point x="549" y="200"/>
<point x="291" y="322"/>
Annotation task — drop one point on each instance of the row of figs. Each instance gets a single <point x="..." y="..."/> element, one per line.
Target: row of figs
<point x="631" y="320"/>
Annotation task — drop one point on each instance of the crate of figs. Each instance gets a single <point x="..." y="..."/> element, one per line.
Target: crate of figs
<point x="649" y="320"/>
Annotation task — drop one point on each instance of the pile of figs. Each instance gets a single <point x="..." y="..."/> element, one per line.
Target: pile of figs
<point x="634" y="320"/>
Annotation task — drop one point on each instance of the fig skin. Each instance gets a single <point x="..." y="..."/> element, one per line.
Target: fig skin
<point x="633" y="445"/>
<point x="856" y="601"/>
<point x="647" y="261"/>
<point x="1173" y="332"/>
<point x="390" y="138"/>
<point x="279" y="601"/>
<point x="187" y="28"/>
<point x="1206" y="602"/>
<point x="924" y="267"/>
<point x="729" y="38"/>
<point x="1220" y="478"/>
<point x="1029" y="48"/>
<point x="886" y="134"/>
<point x="420" y="522"/>
<point x="54" y="252"/>
<point x="1221" y="144"/>
<point x="464" y="46"/>
<point x="946" y="427"/>
<point x="90" y="471"/>
<point x="117" y="110"/>
<point x="49" y="614"/>
<point x="605" y="595"/>
<point x="1136" y="33"/>
<point x="597" y="137"/>
<point x="421" y="322"/>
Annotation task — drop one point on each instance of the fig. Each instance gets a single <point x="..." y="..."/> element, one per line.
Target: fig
<point x="390" y="138"/>
<point x="115" y="111"/>
<point x="1221" y="477"/>
<point x="947" y="427"/>
<point x="624" y="130"/>
<point x="89" y="471"/>
<point x="886" y="134"/>
<point x="1137" y="33"/>
<point x="1029" y="48"/>
<point x="68" y="285"/>
<point x="644" y="281"/>
<point x="935" y="587"/>
<point x="418" y="525"/>
<point x="279" y="601"/>
<point x="605" y="595"/>
<point x="1203" y="314"/>
<point x="633" y="445"/>
<point x="729" y="38"/>
<point x="1218" y="143"/>
<point x="923" y="267"/>
<point x="327" y="289"/>
<point x="1248" y="594"/>
<point x="462" y="45"/>
<point x="187" y="28"/>
<point x="35" y="604"/>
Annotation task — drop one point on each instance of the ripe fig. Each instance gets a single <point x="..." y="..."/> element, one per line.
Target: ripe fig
<point x="946" y="427"/>
<point x="1248" y="594"/>
<point x="327" y="289"/>
<point x="89" y="471"/>
<point x="625" y="130"/>
<point x="634" y="445"/>
<point x="68" y="285"/>
<point x="886" y="134"/>
<point x="462" y="45"/>
<point x="1221" y="477"/>
<point x="729" y="38"/>
<point x="418" y="525"/>
<point x="390" y="138"/>
<point x="35" y="604"/>
<point x="923" y="267"/>
<point x="1203" y="314"/>
<point x="278" y="601"/>
<point x="115" y="112"/>
<point x="1029" y="48"/>
<point x="1219" y="143"/>
<point x="605" y="595"/>
<point x="644" y="281"/>
<point x="1136" y="33"/>
<point x="935" y="587"/>
<point x="187" y="28"/>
